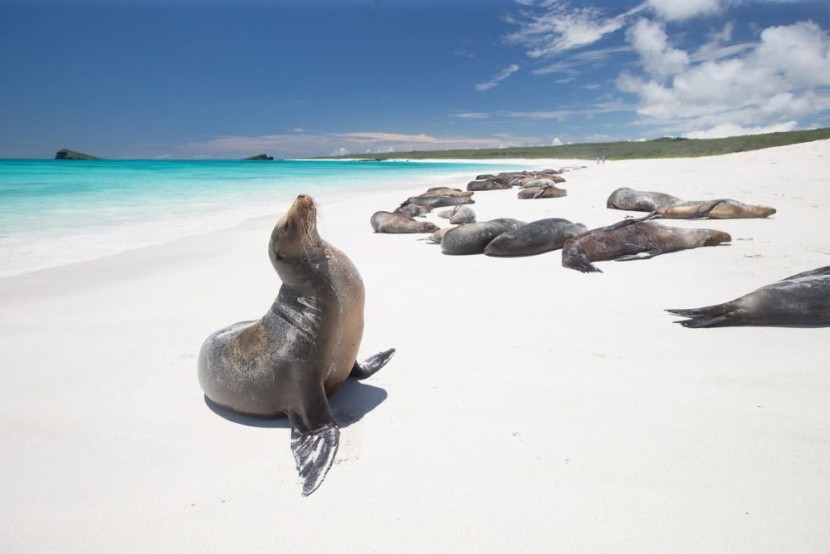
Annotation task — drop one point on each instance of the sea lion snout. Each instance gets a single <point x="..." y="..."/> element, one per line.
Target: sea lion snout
<point x="717" y="237"/>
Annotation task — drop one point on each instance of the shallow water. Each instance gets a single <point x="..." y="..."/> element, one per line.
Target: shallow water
<point x="54" y="212"/>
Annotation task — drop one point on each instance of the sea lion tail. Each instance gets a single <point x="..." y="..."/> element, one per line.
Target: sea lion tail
<point x="314" y="454"/>
<point x="371" y="365"/>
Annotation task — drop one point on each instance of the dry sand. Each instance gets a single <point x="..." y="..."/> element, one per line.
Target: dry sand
<point x="529" y="406"/>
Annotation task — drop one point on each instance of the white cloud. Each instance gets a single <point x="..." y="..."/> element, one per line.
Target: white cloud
<point x="776" y="81"/>
<point x="556" y="142"/>
<point x="676" y="10"/>
<point x="731" y="130"/>
<point x="560" y="27"/>
<point x="659" y="58"/>
<point x="502" y="75"/>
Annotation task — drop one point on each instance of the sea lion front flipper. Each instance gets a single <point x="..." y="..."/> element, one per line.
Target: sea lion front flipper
<point x="314" y="436"/>
<point x="540" y="192"/>
<point x="371" y="365"/>
<point x="705" y="209"/>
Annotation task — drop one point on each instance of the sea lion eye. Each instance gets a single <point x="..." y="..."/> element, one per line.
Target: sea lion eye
<point x="279" y="256"/>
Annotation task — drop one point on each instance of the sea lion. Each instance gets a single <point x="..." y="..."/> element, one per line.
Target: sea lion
<point x="302" y="350"/>
<point x="435" y="238"/>
<point x="633" y="239"/>
<point x="488" y="184"/>
<point x="447" y="191"/>
<point x="439" y="201"/>
<point x="474" y="237"/>
<point x="714" y="209"/>
<point x="536" y="182"/>
<point x="640" y="201"/>
<point x="459" y="215"/>
<point x="535" y="237"/>
<point x="412" y="210"/>
<point x="802" y="299"/>
<point x="387" y="222"/>
<point x="541" y="192"/>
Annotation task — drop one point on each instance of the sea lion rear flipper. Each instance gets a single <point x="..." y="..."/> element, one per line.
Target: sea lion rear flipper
<point x="314" y="436"/>
<point x="705" y="209"/>
<point x="708" y="316"/>
<point x="371" y="365"/>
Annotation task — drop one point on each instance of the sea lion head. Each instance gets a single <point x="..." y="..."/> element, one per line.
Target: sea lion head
<point x="714" y="237"/>
<point x="295" y="246"/>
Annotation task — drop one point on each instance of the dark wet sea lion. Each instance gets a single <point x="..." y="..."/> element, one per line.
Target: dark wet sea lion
<point x="802" y="299"/>
<point x="714" y="209"/>
<point x="535" y="237"/>
<point x="633" y="239"/>
<point x="640" y="201"/>
<point x="302" y="350"/>
<point x="387" y="222"/>
<point x="474" y="237"/>
<point x="440" y="201"/>
<point x="535" y="193"/>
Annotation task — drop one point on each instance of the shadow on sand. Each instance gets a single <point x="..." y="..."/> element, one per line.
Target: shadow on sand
<point x="353" y="401"/>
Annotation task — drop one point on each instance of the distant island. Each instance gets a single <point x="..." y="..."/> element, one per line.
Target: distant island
<point x="259" y="157"/>
<point x="67" y="154"/>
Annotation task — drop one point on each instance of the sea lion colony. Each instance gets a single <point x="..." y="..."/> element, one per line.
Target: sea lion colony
<point x="802" y="299"/>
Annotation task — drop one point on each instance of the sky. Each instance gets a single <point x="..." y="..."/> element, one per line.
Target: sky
<point x="187" y="79"/>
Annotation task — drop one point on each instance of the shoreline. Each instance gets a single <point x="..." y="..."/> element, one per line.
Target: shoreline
<point x="528" y="407"/>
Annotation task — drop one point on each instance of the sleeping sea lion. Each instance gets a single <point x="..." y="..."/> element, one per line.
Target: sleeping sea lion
<point x="633" y="239"/>
<point x="802" y="299"/>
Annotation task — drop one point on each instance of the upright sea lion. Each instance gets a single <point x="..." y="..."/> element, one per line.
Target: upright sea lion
<point x="440" y="201"/>
<point x="474" y="237"/>
<point x="802" y="299"/>
<point x="302" y="350"/>
<point x="640" y="201"/>
<point x="714" y="209"/>
<point x="633" y="239"/>
<point x="535" y="237"/>
<point x="387" y="222"/>
<point x="535" y="193"/>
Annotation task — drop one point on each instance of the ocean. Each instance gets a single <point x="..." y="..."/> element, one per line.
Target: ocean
<point x="54" y="212"/>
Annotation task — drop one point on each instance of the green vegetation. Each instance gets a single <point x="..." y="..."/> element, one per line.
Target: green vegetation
<point x="659" y="148"/>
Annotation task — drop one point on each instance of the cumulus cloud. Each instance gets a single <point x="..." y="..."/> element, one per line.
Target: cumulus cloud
<point x="502" y="75"/>
<point x="676" y="10"/>
<point x="775" y="82"/>
<point x="659" y="58"/>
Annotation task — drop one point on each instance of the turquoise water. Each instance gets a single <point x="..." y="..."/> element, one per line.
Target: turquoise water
<point x="54" y="212"/>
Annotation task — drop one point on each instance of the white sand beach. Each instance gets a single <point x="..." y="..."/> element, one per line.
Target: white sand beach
<point x="529" y="407"/>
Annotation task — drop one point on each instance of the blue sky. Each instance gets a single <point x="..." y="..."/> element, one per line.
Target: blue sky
<point x="222" y="79"/>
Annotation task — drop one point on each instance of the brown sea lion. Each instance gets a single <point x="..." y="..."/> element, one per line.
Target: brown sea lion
<point x="633" y="239"/>
<point x="714" y="209"/>
<point x="802" y="299"/>
<point x="387" y="222"/>
<point x="447" y="191"/>
<point x="302" y="350"/>
<point x="439" y="201"/>
<point x="549" y="191"/>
